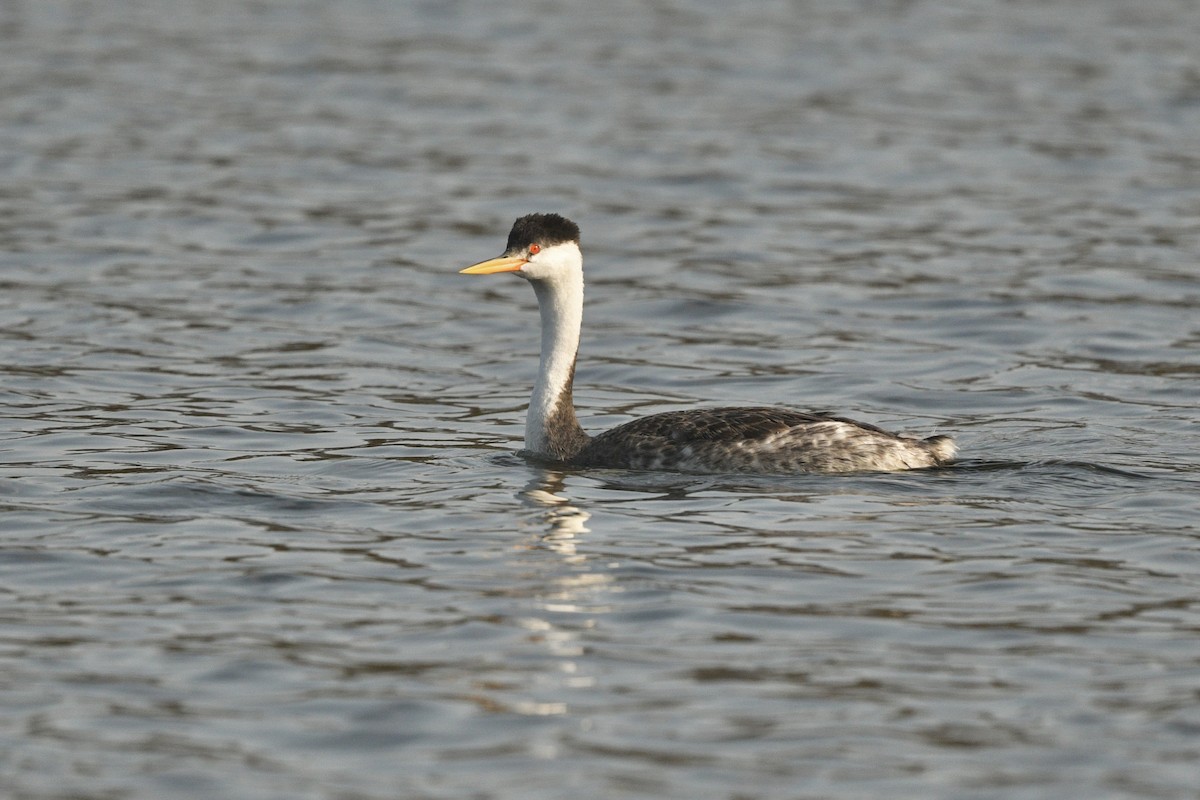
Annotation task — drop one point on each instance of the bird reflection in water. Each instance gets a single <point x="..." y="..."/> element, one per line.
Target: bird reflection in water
<point x="564" y="520"/>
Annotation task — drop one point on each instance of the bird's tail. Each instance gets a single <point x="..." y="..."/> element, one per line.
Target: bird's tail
<point x="942" y="448"/>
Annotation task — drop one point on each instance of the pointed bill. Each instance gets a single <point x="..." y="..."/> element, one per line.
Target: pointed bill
<point x="501" y="264"/>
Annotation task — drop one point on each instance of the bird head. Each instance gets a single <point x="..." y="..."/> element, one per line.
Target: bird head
<point x="541" y="247"/>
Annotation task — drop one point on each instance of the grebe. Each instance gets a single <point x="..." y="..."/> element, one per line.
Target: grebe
<point x="544" y="249"/>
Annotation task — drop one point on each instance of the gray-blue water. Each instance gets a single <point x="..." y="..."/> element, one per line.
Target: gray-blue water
<point x="264" y="530"/>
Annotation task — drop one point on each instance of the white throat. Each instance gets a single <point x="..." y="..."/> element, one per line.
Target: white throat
<point x="551" y="420"/>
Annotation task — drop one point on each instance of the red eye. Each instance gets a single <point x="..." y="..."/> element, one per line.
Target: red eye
<point x="534" y="249"/>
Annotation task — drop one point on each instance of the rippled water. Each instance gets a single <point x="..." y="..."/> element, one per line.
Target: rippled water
<point x="265" y="534"/>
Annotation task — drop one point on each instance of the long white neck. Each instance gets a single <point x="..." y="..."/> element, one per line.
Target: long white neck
<point x="551" y="428"/>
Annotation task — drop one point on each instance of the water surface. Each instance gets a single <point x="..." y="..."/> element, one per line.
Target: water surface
<point x="265" y="531"/>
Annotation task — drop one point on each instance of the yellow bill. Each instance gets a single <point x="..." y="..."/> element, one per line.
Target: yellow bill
<point x="492" y="265"/>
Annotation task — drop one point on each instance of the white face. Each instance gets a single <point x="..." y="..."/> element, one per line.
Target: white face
<point x="548" y="263"/>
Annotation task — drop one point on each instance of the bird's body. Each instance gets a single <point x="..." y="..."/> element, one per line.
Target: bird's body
<point x="767" y="440"/>
<point x="544" y="249"/>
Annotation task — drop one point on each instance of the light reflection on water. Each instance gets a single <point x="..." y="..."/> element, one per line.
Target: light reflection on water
<point x="265" y="530"/>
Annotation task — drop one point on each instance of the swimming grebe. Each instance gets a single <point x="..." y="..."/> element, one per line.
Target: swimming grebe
<point x="544" y="249"/>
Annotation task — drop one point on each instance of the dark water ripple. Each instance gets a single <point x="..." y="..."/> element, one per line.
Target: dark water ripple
<point x="265" y="534"/>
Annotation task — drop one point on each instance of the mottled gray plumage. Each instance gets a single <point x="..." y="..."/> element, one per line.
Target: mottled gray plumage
<point x="766" y="440"/>
<point x="745" y="440"/>
<point x="543" y="248"/>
